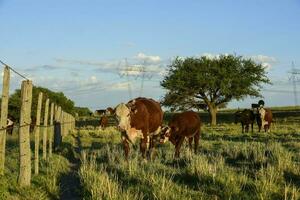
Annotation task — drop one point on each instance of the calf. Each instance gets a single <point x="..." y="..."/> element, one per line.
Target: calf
<point x="246" y="117"/>
<point x="139" y="118"/>
<point x="265" y="119"/>
<point x="181" y="126"/>
<point x="103" y="122"/>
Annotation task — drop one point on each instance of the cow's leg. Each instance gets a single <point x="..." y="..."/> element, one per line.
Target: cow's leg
<point x="247" y="128"/>
<point x="152" y="152"/>
<point x="252" y="127"/>
<point x="196" y="140"/>
<point x="126" y="147"/>
<point x="143" y="146"/>
<point x="190" y="143"/>
<point x="178" y="146"/>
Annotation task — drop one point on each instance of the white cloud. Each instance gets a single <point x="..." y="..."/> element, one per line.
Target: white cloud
<point x="119" y="86"/>
<point x="147" y="58"/>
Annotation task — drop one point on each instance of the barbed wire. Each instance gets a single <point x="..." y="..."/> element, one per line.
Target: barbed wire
<point x="15" y="71"/>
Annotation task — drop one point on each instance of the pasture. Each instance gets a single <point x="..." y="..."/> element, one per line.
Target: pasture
<point x="228" y="165"/>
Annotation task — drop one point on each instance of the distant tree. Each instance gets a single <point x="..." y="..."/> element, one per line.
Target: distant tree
<point x="194" y="82"/>
<point x="82" y="111"/>
<point x="57" y="97"/>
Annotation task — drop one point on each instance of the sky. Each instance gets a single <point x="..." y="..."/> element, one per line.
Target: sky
<point x="101" y="53"/>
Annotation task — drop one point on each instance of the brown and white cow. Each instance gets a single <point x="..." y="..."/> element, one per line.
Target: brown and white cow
<point x="139" y="118"/>
<point x="183" y="125"/>
<point x="9" y="125"/>
<point x="265" y="119"/>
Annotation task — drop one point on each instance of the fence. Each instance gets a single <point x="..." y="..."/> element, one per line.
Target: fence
<point x="58" y="117"/>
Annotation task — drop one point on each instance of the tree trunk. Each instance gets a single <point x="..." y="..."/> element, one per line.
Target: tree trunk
<point x="213" y="115"/>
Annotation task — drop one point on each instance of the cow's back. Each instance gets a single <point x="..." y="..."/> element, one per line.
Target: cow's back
<point x="187" y="122"/>
<point x="146" y="112"/>
<point x="268" y="115"/>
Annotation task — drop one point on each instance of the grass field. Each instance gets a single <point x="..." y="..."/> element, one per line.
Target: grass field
<point x="228" y="165"/>
<point x="46" y="185"/>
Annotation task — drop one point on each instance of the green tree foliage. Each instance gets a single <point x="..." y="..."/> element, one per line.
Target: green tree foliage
<point x="82" y="111"/>
<point x="57" y="97"/>
<point x="194" y="82"/>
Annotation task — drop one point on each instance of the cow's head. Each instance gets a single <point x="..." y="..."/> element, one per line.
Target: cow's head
<point x="110" y="111"/>
<point x="168" y="133"/>
<point x="122" y="113"/>
<point x="262" y="113"/>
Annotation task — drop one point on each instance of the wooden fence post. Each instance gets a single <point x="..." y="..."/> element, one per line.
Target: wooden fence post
<point x="51" y="129"/>
<point x="37" y="134"/>
<point x="24" y="136"/>
<point x="45" y="129"/>
<point x="3" y="121"/>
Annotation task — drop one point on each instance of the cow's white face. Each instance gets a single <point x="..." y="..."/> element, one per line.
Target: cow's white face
<point x="123" y="116"/>
<point x="262" y="113"/>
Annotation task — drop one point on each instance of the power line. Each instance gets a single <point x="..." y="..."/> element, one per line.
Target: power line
<point x="294" y="72"/>
<point x="12" y="69"/>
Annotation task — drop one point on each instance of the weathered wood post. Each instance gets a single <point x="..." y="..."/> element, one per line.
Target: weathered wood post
<point x="3" y="121"/>
<point x="37" y="134"/>
<point x="45" y="129"/>
<point x="24" y="137"/>
<point x="57" y="128"/>
<point x="51" y="129"/>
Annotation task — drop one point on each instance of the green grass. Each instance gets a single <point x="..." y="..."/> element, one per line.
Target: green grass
<point x="228" y="165"/>
<point x="43" y="186"/>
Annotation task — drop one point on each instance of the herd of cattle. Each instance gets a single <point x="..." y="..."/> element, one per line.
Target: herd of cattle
<point x="143" y="118"/>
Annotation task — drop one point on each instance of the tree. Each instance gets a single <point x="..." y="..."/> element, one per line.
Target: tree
<point x="82" y="111"/>
<point x="56" y="97"/>
<point x="192" y="82"/>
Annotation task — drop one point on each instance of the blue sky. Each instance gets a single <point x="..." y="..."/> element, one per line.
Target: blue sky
<point x="79" y="47"/>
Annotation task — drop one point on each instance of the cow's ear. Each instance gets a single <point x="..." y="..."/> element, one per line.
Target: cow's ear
<point x="176" y="128"/>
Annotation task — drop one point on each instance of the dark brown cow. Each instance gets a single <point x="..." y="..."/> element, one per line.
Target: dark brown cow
<point x="245" y="117"/>
<point x="103" y="122"/>
<point x="181" y="126"/>
<point x="139" y="118"/>
<point x="265" y="119"/>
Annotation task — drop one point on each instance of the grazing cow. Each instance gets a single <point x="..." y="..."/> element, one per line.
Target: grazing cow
<point x="265" y="119"/>
<point x="110" y="111"/>
<point x="246" y="117"/>
<point x="139" y="118"/>
<point x="9" y="126"/>
<point x="100" y="112"/>
<point x="181" y="126"/>
<point x="103" y="122"/>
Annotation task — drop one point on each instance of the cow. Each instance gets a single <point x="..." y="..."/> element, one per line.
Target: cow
<point x="265" y="118"/>
<point x="103" y="122"/>
<point x="100" y="112"/>
<point x="246" y="117"/>
<point x="182" y="125"/>
<point x="139" y="118"/>
<point x="9" y="125"/>
<point x="110" y="111"/>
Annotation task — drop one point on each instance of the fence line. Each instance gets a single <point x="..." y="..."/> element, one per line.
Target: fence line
<point x="67" y="124"/>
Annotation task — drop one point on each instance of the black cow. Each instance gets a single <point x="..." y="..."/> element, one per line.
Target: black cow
<point x="246" y="117"/>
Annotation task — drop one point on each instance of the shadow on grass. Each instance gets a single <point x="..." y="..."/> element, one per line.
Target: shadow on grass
<point x="293" y="178"/>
